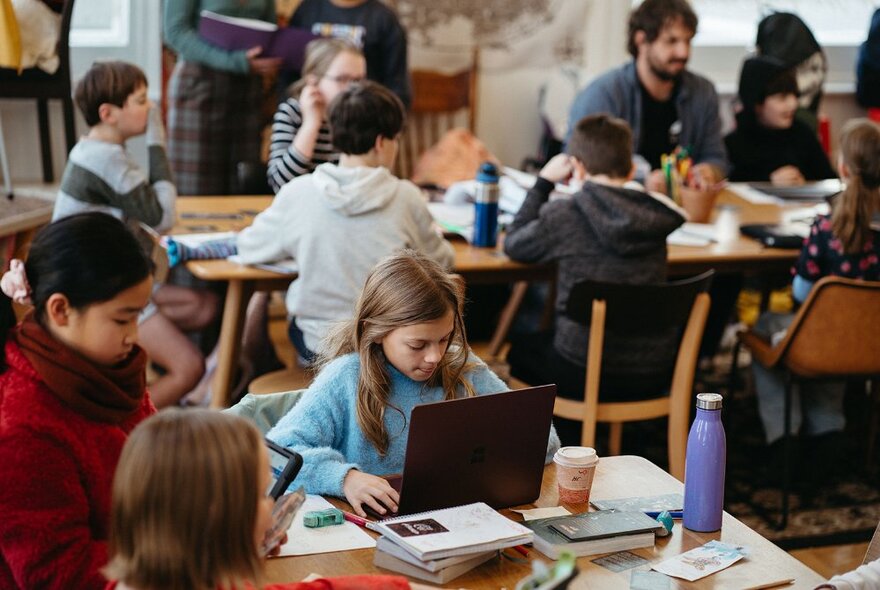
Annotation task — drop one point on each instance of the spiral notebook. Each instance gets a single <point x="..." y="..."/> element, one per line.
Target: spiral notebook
<point x="460" y="530"/>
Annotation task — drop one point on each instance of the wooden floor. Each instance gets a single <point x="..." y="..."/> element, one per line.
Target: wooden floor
<point x="827" y="561"/>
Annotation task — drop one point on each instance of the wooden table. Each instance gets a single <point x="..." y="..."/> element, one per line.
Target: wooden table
<point x="476" y="265"/>
<point x="616" y="477"/>
<point x="20" y="218"/>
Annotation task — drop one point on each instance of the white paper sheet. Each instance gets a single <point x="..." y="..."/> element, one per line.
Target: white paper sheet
<point x="536" y="513"/>
<point x="698" y="563"/>
<point x="693" y="234"/>
<point x="753" y="195"/>
<point x="286" y="266"/>
<point x="196" y="240"/>
<point x="341" y="537"/>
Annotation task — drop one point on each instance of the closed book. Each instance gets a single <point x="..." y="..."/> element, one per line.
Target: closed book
<point x="234" y="33"/>
<point x="441" y="576"/>
<point x="593" y="532"/>
<point x="449" y="532"/>
<point x="433" y="565"/>
<point x="602" y="523"/>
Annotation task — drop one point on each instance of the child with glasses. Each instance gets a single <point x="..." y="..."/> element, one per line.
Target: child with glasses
<point x="300" y="133"/>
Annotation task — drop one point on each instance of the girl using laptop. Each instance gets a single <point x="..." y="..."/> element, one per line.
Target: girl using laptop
<point x="404" y="346"/>
<point x="197" y="519"/>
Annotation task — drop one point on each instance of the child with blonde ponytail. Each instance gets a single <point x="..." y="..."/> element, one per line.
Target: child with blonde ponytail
<point x="843" y="244"/>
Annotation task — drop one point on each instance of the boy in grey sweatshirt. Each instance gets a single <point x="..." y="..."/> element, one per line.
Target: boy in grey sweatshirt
<point x="612" y="230"/>
<point x="342" y="219"/>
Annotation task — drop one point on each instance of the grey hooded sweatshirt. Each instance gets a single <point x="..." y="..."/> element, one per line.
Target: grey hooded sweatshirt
<point x="602" y="233"/>
<point x="337" y="223"/>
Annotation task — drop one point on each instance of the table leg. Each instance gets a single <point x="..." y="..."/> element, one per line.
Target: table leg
<point x="507" y="316"/>
<point x="237" y="296"/>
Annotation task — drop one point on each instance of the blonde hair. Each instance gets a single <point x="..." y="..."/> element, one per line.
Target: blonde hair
<point x="320" y="54"/>
<point x="184" y="503"/>
<point x="853" y="209"/>
<point x="404" y="289"/>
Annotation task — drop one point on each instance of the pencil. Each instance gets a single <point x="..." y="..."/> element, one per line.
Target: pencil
<point x="772" y="584"/>
<point x="521" y="550"/>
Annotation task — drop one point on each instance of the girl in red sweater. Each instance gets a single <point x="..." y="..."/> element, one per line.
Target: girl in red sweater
<point x="71" y="389"/>
<point x="190" y="509"/>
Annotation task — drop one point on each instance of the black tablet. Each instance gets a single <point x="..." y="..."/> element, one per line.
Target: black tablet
<point x="284" y="464"/>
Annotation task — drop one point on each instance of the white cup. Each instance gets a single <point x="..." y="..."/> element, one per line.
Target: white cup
<point x="727" y="224"/>
<point x="575" y="468"/>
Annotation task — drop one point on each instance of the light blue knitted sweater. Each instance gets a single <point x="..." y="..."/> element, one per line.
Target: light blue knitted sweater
<point x="323" y="426"/>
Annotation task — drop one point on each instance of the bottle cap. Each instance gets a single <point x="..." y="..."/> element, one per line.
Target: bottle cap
<point x="487" y="172"/>
<point x="709" y="401"/>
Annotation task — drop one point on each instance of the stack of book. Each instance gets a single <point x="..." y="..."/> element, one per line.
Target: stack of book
<point x="591" y="533"/>
<point x="440" y="545"/>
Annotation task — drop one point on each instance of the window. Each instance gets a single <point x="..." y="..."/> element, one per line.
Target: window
<point x="100" y="23"/>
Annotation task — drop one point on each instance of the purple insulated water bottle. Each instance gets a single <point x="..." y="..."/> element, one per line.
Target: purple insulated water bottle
<point x="486" y="206"/>
<point x="704" y="467"/>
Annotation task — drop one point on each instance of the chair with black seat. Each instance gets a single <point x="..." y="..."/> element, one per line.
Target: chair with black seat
<point x="834" y="336"/>
<point x="34" y="83"/>
<point x="655" y="310"/>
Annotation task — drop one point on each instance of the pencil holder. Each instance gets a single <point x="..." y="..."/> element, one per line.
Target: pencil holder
<point x="698" y="203"/>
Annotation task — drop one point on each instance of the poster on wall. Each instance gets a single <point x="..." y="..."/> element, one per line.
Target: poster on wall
<point x="510" y="34"/>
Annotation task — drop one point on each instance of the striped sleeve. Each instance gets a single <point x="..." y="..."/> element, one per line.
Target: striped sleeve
<point x="285" y="161"/>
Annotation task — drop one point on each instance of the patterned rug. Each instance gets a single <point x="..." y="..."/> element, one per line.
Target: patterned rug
<point x="835" y="496"/>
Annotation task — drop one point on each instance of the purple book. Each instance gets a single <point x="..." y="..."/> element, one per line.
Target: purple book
<point x="234" y="33"/>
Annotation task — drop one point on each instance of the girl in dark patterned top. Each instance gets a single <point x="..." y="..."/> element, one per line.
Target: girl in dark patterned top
<point x="840" y="244"/>
<point x="300" y="135"/>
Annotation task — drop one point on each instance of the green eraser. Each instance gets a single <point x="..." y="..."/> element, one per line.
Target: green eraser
<point x="319" y="518"/>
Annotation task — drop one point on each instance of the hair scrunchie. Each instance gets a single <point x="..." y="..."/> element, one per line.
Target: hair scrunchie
<point x="14" y="283"/>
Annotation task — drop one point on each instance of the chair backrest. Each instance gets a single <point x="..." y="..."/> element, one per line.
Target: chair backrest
<point x="63" y="47"/>
<point x="646" y="310"/>
<point x="440" y="102"/>
<point x="836" y="331"/>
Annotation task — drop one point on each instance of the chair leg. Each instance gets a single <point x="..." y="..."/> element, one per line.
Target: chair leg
<point x="69" y="125"/>
<point x="731" y="386"/>
<point x="873" y="424"/>
<point x="787" y="452"/>
<point x="615" y="437"/>
<point x="45" y="139"/>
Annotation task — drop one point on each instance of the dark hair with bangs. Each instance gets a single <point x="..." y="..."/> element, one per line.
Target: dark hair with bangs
<point x="90" y="258"/>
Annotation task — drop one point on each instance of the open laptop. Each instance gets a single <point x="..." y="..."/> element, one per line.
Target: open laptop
<point x="489" y="448"/>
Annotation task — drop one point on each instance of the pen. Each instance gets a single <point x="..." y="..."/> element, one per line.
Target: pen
<point x="772" y="584"/>
<point x="354" y="518"/>
<point x="677" y="514"/>
<point x="521" y="550"/>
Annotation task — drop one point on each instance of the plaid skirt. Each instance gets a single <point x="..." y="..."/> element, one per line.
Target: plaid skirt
<point x="214" y="122"/>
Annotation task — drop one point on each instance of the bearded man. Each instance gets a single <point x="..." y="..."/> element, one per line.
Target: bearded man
<point x="666" y="105"/>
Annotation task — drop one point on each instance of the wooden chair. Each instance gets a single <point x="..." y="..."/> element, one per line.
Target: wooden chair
<point x="439" y="102"/>
<point x="645" y="310"/>
<point x="834" y="335"/>
<point x="36" y="84"/>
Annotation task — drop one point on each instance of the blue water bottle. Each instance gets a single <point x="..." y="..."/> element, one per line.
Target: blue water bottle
<point x="486" y="206"/>
<point x="704" y="467"/>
